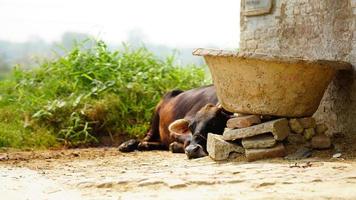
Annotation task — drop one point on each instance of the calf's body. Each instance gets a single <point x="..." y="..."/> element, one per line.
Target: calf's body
<point x="182" y="119"/>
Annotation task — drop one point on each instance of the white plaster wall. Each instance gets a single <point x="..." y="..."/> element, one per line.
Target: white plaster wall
<point x="312" y="29"/>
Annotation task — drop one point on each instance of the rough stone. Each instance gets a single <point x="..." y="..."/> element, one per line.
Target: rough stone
<point x="307" y="122"/>
<point x="321" y="141"/>
<point x="321" y="128"/>
<point x="252" y="43"/>
<point x="337" y="155"/>
<point x="243" y="121"/>
<point x="259" y="141"/>
<point x="258" y="154"/>
<point x="308" y="133"/>
<point x="296" y="139"/>
<point x="219" y="149"/>
<point x="295" y="126"/>
<point x="279" y="128"/>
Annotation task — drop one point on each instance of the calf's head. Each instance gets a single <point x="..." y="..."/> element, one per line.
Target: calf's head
<point x="193" y="133"/>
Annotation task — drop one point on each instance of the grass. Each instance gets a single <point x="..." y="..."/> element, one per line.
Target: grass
<point x="88" y="93"/>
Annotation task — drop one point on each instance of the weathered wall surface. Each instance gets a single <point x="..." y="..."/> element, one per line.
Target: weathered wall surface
<point x="312" y="29"/>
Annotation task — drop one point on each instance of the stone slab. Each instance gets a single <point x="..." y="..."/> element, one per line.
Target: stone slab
<point x="307" y="122"/>
<point x="243" y="121"/>
<point x="321" y="141"/>
<point x="259" y="154"/>
<point x="296" y="139"/>
<point x="308" y="133"/>
<point x="219" y="149"/>
<point x="279" y="128"/>
<point x="295" y="126"/>
<point x="259" y="141"/>
<point x="321" y="128"/>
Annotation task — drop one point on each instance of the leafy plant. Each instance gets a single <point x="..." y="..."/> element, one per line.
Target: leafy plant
<point x="91" y="92"/>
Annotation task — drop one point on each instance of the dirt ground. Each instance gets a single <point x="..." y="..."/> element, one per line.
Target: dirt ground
<point x="105" y="173"/>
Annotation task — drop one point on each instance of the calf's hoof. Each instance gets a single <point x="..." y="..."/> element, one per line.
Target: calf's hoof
<point x="143" y="146"/>
<point x="128" y="146"/>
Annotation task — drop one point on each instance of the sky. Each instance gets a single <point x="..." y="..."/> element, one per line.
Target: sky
<point x="175" y="23"/>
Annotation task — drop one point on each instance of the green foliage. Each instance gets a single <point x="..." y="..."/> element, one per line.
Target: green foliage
<point x="86" y="94"/>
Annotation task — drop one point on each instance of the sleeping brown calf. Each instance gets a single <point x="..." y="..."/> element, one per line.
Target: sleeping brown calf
<point x="181" y="123"/>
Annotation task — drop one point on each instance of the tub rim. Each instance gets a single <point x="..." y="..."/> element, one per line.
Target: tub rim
<point x="335" y="64"/>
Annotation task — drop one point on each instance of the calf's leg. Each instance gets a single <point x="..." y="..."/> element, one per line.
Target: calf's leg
<point x="150" y="142"/>
<point x="147" y="146"/>
<point x="176" y="147"/>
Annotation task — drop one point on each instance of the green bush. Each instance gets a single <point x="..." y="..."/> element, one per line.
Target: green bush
<point x="88" y="93"/>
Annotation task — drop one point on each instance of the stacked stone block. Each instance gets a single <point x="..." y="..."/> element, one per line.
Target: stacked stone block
<point x="306" y="130"/>
<point x="248" y="134"/>
<point x="260" y="139"/>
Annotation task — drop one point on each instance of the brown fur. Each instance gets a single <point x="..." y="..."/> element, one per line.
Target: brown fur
<point x="167" y="117"/>
<point x="183" y="105"/>
<point x="174" y="105"/>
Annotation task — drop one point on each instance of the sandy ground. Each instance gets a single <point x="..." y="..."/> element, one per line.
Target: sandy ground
<point x="105" y="173"/>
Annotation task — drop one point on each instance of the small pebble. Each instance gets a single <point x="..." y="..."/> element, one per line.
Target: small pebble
<point x="337" y="155"/>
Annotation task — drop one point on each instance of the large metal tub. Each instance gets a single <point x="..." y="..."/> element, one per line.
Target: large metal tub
<point x="269" y="85"/>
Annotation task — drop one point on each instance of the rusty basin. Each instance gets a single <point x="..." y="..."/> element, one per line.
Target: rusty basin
<point x="269" y="85"/>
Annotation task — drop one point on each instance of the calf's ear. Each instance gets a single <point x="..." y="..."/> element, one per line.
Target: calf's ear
<point x="179" y="127"/>
<point x="179" y="130"/>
